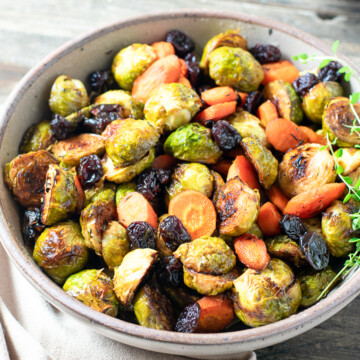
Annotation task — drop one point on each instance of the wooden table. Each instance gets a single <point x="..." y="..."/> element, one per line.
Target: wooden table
<point x="29" y="30"/>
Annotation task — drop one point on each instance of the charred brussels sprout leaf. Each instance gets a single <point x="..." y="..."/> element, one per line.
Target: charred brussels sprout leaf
<point x="218" y="183"/>
<point x="37" y="137"/>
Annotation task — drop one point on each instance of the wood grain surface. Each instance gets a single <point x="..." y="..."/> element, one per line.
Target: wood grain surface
<point x="29" y="30"/>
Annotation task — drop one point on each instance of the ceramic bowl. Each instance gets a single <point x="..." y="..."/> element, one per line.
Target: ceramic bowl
<point x="28" y="104"/>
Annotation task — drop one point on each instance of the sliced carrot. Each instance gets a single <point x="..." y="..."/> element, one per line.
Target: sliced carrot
<point x="267" y="112"/>
<point x="134" y="207"/>
<point x="242" y="97"/>
<point x="284" y="134"/>
<point x="251" y="251"/>
<point x="81" y="195"/>
<point x="276" y="196"/>
<point x="163" y="48"/>
<point x="243" y="168"/>
<point x="311" y="136"/>
<point x="219" y="95"/>
<point x="311" y="202"/>
<point x="281" y="70"/>
<point x="222" y="166"/>
<point x="163" y="71"/>
<point x="216" y="313"/>
<point x="216" y="112"/>
<point x="166" y="162"/>
<point x="183" y="80"/>
<point x="184" y="68"/>
<point x="196" y="212"/>
<point x="269" y="219"/>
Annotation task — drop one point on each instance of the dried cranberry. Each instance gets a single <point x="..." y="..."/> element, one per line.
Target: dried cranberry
<point x="173" y="232"/>
<point x="330" y="72"/>
<point x="169" y="272"/>
<point x="304" y="83"/>
<point x="151" y="182"/>
<point x="188" y="319"/>
<point x="315" y="250"/>
<point x="101" y="81"/>
<point x="31" y="225"/>
<point x="193" y="66"/>
<point x="293" y="227"/>
<point x="61" y="127"/>
<point x="253" y="101"/>
<point x="141" y="235"/>
<point x="225" y="135"/>
<point x="182" y="43"/>
<point x="90" y="171"/>
<point x="265" y="53"/>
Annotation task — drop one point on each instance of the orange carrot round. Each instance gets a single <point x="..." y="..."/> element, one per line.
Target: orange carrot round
<point x="269" y="219"/>
<point x="183" y="68"/>
<point x="219" y="95"/>
<point x="243" y="168"/>
<point x="267" y="112"/>
<point x="166" y="162"/>
<point x="243" y="97"/>
<point x="216" y="112"/>
<point x="163" y="48"/>
<point x="276" y="196"/>
<point x="281" y="70"/>
<point x="81" y="195"/>
<point x="311" y="136"/>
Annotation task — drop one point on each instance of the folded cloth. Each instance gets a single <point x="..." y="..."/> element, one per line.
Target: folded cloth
<point x="32" y="329"/>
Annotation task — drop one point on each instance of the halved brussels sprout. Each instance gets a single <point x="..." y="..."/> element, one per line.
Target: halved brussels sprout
<point x="313" y="224"/>
<point x="337" y="120"/>
<point x="131" y="62"/>
<point x="264" y="297"/>
<point x="349" y="159"/>
<point x="95" y="289"/>
<point x="334" y="88"/>
<point x="132" y="272"/>
<point x="123" y="189"/>
<point x="103" y="192"/>
<point x="235" y="67"/>
<point x="209" y="255"/>
<point x="153" y="309"/>
<point x="288" y="103"/>
<point x="131" y="141"/>
<point x="67" y="96"/>
<point x="71" y="150"/>
<point x="218" y="183"/>
<point x="25" y="176"/>
<point x="229" y="38"/>
<point x="77" y="117"/>
<point x="193" y="142"/>
<point x="60" y="251"/>
<point x="313" y="284"/>
<point x="94" y="220"/>
<point x="263" y="160"/>
<point x="132" y="107"/>
<point x="305" y="167"/>
<point x="61" y="195"/>
<point x="255" y="230"/>
<point x="37" y="137"/>
<point x="171" y="106"/>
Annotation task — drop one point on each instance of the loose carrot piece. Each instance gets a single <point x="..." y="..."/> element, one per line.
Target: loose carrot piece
<point x="184" y="68"/>
<point x="81" y="195"/>
<point x="222" y="166"/>
<point x="216" y="112"/>
<point x="216" y="313"/>
<point x="163" y="71"/>
<point x="276" y="196"/>
<point x="163" y="48"/>
<point x="165" y="162"/>
<point x="219" y="95"/>
<point x="242" y="97"/>
<point x="283" y="134"/>
<point x="134" y="207"/>
<point x="267" y="112"/>
<point x="311" y="202"/>
<point x="183" y="80"/>
<point x="251" y="251"/>
<point x="311" y="136"/>
<point x="269" y="219"/>
<point x="243" y="168"/>
<point x="196" y="212"/>
<point x="281" y="70"/>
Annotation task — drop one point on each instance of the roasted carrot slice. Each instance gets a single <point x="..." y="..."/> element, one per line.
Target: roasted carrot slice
<point x="216" y="112"/>
<point x="184" y="68"/>
<point x="311" y="136"/>
<point x="219" y="95"/>
<point x="284" y="134"/>
<point x="81" y="195"/>
<point x="163" y="71"/>
<point x="134" y="207"/>
<point x="242" y="97"/>
<point x="267" y="112"/>
<point x="222" y="166"/>
<point x="276" y="196"/>
<point x="311" y="202"/>
<point x="281" y="70"/>
<point x="243" y="168"/>
<point x="269" y="219"/>
<point x="166" y="162"/>
<point x="196" y="212"/>
<point x="163" y="48"/>
<point x="251" y="251"/>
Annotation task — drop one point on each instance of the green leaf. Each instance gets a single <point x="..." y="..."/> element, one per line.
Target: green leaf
<point x="347" y="76"/>
<point x="324" y="147"/>
<point x="354" y="240"/>
<point x="339" y="169"/>
<point x="344" y="69"/>
<point x="303" y="56"/>
<point x="295" y="57"/>
<point x="347" y="198"/>
<point x="357" y="146"/>
<point x="324" y="63"/>
<point x="334" y="141"/>
<point x="335" y="46"/>
<point x="357" y="184"/>
<point x="354" y="98"/>
<point x="339" y="153"/>
<point x="348" y="180"/>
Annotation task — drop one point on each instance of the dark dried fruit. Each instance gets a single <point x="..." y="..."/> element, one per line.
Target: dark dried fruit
<point x="151" y="182"/>
<point x="188" y="319"/>
<point x="90" y="171"/>
<point x="304" y="83"/>
<point x="315" y="250"/>
<point x="293" y="227"/>
<point x="193" y="66"/>
<point x="173" y="232"/>
<point x="182" y="43"/>
<point x="31" y="225"/>
<point x="101" y="81"/>
<point x="253" y="101"/>
<point x="265" y="53"/>
<point x="61" y="127"/>
<point x="225" y="135"/>
<point x="141" y="235"/>
<point x="169" y="272"/>
<point x="331" y="72"/>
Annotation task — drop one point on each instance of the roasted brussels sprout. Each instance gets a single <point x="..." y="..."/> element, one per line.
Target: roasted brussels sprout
<point x="348" y="159"/>
<point x="235" y="67"/>
<point x="305" y="167"/>
<point x="264" y="297"/>
<point x="104" y="193"/>
<point x="334" y="88"/>
<point x="95" y="289"/>
<point x="25" y="176"/>
<point x="132" y="272"/>
<point x="218" y="183"/>
<point x="67" y="96"/>
<point x="313" y="224"/>
<point x="37" y="137"/>
<point x="131" y="62"/>
<point x="255" y="230"/>
<point x="123" y="189"/>
<point x="171" y="106"/>
<point x="287" y="101"/>
<point x="60" y="251"/>
<point x="153" y="309"/>
<point x="182" y="296"/>
<point x="193" y="142"/>
<point x="209" y="255"/>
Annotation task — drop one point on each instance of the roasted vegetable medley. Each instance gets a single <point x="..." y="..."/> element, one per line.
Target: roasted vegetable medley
<point x="180" y="192"/>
